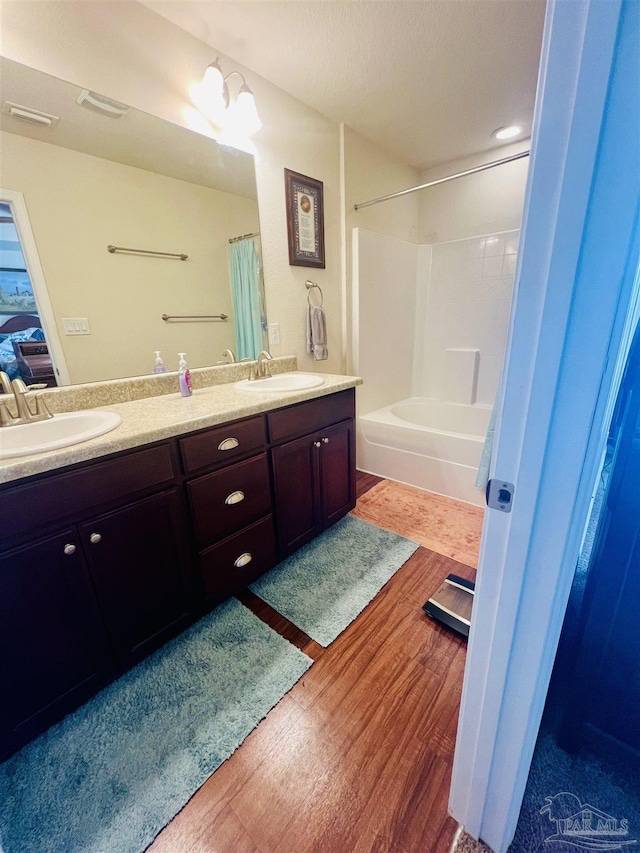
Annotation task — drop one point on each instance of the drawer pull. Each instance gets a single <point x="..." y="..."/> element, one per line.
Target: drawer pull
<point x="234" y="498"/>
<point x="243" y="560"/>
<point x="95" y="538"/>
<point x="325" y="441"/>
<point x="69" y="549"/>
<point x="316" y="444"/>
<point x="228" y="444"/>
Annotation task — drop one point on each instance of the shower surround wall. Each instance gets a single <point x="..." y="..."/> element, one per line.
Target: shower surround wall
<point x="429" y="322"/>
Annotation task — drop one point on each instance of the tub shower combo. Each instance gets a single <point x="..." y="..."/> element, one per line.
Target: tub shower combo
<point x="429" y="332"/>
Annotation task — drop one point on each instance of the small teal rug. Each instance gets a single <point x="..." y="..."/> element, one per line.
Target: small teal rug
<point x="110" y="776"/>
<point x="327" y="583"/>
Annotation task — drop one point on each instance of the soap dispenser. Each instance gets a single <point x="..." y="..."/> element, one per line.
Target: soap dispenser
<point x="184" y="376"/>
<point x="159" y="365"/>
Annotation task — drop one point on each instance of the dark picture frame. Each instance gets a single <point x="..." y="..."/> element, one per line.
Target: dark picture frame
<point x="305" y="220"/>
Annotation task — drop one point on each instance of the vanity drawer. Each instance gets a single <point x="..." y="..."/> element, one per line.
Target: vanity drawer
<point x="238" y="560"/>
<point x="223" y="445"/>
<point x="304" y="418"/>
<point x="227" y="500"/>
<point x="27" y="508"/>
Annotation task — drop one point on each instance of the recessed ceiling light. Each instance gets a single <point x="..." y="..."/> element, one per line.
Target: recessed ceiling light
<point x="507" y="132"/>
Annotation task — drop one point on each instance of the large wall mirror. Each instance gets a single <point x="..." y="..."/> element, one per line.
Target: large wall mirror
<point x="90" y="178"/>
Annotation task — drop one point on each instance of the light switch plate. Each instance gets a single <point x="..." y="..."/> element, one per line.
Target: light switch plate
<point x="76" y="325"/>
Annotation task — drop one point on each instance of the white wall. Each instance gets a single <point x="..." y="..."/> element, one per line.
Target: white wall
<point x="126" y="51"/>
<point x="384" y="301"/>
<point x="370" y="173"/>
<point x="78" y="205"/>
<point x="485" y="203"/>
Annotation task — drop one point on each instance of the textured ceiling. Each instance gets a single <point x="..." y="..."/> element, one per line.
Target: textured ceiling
<point x="427" y="81"/>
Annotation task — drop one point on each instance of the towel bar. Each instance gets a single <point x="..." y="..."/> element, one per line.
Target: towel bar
<point x="194" y="316"/>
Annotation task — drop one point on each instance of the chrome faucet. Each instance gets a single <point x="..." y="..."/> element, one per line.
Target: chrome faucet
<point x="24" y="413"/>
<point x="260" y="369"/>
<point x="229" y="357"/>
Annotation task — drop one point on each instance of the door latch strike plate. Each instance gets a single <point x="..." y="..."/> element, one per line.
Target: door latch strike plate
<point x="500" y="495"/>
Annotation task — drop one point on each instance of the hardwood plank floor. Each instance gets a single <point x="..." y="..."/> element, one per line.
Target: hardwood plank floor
<point x="357" y="757"/>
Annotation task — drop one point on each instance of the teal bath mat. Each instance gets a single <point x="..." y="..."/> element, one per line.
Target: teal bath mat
<point x="111" y="775"/>
<point x="323" y="586"/>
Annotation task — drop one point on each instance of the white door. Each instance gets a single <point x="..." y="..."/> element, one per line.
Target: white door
<point x="573" y="310"/>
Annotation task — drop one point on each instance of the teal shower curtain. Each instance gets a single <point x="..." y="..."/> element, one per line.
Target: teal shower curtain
<point x="246" y="298"/>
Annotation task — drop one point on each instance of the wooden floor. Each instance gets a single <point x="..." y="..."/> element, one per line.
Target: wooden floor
<point x="357" y="757"/>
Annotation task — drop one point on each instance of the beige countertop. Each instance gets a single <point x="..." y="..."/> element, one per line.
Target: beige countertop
<point x="156" y="418"/>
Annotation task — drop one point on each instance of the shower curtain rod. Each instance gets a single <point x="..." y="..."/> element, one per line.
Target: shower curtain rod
<point x="443" y="180"/>
<point x="243" y="237"/>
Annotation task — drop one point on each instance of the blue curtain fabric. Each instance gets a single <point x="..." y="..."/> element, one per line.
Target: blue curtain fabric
<point x="246" y="298"/>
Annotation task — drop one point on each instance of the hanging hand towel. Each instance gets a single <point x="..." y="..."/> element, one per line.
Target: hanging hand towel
<point x="317" y="333"/>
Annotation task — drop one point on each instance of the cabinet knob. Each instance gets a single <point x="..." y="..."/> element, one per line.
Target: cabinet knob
<point x="325" y="441"/>
<point x="316" y="444"/>
<point x="95" y="538"/>
<point x="234" y="498"/>
<point x="69" y="549"/>
<point x="243" y="560"/>
<point x="228" y="444"/>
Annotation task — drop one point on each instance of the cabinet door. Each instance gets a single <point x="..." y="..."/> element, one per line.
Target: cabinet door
<point x="138" y="561"/>
<point x="337" y="469"/>
<point x="53" y="648"/>
<point x="297" y="492"/>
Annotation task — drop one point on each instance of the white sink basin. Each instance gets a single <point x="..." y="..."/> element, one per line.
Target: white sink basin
<point x="56" y="432"/>
<point x="281" y="382"/>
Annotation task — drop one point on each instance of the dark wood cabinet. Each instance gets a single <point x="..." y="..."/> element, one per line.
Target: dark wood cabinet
<point x="103" y="562"/>
<point x="54" y="652"/>
<point x="314" y="476"/>
<point x="138" y="562"/>
<point x="81" y="605"/>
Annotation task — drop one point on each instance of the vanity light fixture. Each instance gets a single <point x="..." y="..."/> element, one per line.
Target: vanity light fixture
<point x="508" y="132"/>
<point x="240" y="117"/>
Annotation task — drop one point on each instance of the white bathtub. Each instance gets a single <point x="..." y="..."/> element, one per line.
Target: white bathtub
<point x="427" y="443"/>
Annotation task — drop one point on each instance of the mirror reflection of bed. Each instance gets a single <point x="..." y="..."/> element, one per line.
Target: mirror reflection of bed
<point x="24" y="352"/>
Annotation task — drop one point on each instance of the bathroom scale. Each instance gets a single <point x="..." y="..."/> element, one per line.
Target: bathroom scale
<point x="451" y="604"/>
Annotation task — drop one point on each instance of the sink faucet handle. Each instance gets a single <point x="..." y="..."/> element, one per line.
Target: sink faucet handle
<point x="42" y="409"/>
<point x="5" y="382"/>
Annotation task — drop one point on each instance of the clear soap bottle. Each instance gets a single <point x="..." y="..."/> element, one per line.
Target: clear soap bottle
<point x="159" y="366"/>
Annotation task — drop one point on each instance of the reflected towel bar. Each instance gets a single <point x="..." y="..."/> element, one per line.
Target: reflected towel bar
<point x="194" y="316"/>
<point x="149" y="252"/>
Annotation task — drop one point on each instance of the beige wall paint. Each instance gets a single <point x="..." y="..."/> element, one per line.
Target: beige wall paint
<point x="484" y="203"/>
<point x="126" y="51"/>
<point x="78" y="205"/>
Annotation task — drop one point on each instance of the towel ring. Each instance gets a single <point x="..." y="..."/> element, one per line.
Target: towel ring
<point x="310" y="285"/>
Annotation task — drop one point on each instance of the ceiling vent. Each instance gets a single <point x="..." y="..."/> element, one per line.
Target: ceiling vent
<point x="102" y="104"/>
<point x="30" y="115"/>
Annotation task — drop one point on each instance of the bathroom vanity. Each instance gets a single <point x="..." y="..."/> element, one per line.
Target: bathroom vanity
<point x="103" y="561"/>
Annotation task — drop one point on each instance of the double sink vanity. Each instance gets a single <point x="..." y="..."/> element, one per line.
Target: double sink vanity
<point x="112" y="546"/>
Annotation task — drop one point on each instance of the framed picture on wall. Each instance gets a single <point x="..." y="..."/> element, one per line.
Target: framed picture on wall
<point x="305" y="220"/>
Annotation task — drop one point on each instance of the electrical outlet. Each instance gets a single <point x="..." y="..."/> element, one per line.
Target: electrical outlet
<point x="274" y="333"/>
<point x="76" y="325"/>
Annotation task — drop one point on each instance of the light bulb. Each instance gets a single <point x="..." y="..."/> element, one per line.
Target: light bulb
<point x="243" y="114"/>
